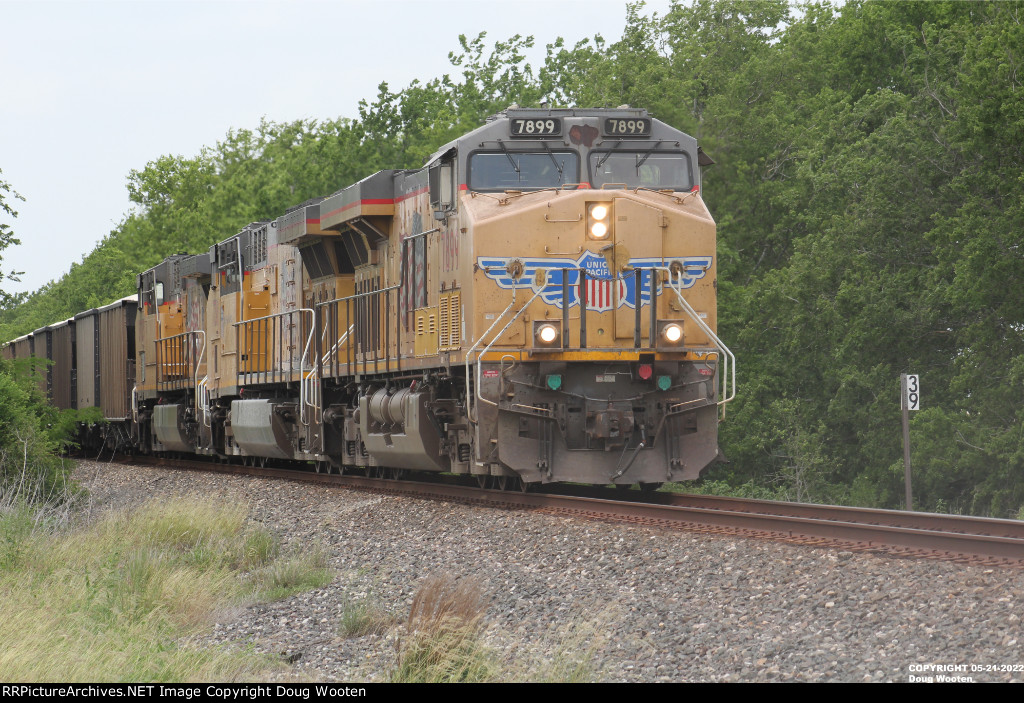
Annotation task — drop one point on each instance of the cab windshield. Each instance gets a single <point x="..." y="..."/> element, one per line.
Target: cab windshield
<point x="517" y="170"/>
<point x="641" y="169"/>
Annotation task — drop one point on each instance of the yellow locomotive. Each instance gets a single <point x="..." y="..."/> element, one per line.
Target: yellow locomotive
<point x="536" y="304"/>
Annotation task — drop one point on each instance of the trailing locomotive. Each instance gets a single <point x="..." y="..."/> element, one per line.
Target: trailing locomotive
<point x="536" y="304"/>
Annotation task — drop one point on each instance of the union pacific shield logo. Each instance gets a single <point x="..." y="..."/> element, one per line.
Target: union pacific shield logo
<point x="604" y="291"/>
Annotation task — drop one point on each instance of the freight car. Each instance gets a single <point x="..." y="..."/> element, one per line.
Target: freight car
<point x="536" y="304"/>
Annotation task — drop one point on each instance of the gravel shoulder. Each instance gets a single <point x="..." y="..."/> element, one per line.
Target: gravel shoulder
<point x="642" y="605"/>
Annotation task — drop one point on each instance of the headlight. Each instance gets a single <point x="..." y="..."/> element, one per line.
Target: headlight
<point x="599" y="221"/>
<point x="670" y="333"/>
<point x="547" y="334"/>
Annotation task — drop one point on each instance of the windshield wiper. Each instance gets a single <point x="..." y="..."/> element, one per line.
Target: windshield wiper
<point x="512" y="161"/>
<point x="547" y="148"/>
<point x="640" y="162"/>
<point x="600" y="162"/>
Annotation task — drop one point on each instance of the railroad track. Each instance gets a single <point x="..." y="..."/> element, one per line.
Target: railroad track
<point x="974" y="540"/>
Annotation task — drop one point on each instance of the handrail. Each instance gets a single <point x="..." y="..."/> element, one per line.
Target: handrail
<point x="469" y="413"/>
<point x="182" y="356"/>
<point x="195" y="377"/>
<point x="303" y="400"/>
<point x="305" y="351"/>
<point x="728" y="380"/>
<point x="371" y="321"/>
<point x="203" y="400"/>
<point x="325" y="357"/>
<point x="479" y="395"/>
<point x="364" y="294"/>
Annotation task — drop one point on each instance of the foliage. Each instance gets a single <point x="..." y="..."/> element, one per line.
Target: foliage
<point x="7" y="238"/>
<point x="32" y="433"/>
<point x="868" y="198"/>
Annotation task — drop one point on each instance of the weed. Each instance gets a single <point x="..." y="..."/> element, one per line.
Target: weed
<point x="576" y="646"/>
<point x="287" y="576"/>
<point x="259" y="549"/>
<point x="361" y="618"/>
<point x="442" y="643"/>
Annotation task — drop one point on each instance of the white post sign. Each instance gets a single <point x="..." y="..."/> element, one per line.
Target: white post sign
<point x="912" y="392"/>
<point x="910" y="400"/>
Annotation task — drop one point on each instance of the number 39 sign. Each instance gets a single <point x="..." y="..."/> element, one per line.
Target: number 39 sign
<point x="911" y="392"/>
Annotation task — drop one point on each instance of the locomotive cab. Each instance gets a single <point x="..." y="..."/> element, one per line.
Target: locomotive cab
<point x="594" y="354"/>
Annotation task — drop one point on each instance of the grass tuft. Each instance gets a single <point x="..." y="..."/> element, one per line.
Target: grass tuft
<point x="288" y="576"/>
<point x="443" y="643"/>
<point x="361" y="618"/>
<point x="576" y="646"/>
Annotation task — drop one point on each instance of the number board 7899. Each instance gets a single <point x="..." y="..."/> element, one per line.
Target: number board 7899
<point x="627" y="127"/>
<point x="536" y="127"/>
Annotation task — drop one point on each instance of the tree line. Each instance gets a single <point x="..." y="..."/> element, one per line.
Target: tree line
<point x="868" y="198"/>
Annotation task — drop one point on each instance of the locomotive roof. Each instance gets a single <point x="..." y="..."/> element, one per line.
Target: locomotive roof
<point x="495" y="127"/>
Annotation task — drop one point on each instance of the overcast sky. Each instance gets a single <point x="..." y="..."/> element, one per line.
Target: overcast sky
<point x="91" y="89"/>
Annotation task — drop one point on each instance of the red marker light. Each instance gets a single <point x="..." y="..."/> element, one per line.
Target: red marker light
<point x="645" y="371"/>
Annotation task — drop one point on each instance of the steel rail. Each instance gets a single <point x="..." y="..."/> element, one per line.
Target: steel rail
<point x="868" y="516"/>
<point x="947" y="537"/>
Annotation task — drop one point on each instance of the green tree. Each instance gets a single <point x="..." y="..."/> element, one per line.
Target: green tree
<point x="7" y="239"/>
<point x="30" y="430"/>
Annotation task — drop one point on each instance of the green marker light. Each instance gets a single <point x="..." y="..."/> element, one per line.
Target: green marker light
<point x="664" y="382"/>
<point x="554" y="381"/>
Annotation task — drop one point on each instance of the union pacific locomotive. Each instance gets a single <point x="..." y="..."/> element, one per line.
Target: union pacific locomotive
<point x="536" y="304"/>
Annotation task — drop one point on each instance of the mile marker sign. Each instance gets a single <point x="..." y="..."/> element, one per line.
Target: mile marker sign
<point x="911" y="400"/>
<point x="911" y="392"/>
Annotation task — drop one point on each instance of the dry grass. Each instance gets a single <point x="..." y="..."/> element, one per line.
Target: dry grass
<point x="442" y="643"/>
<point x="575" y="648"/>
<point x="442" y="599"/>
